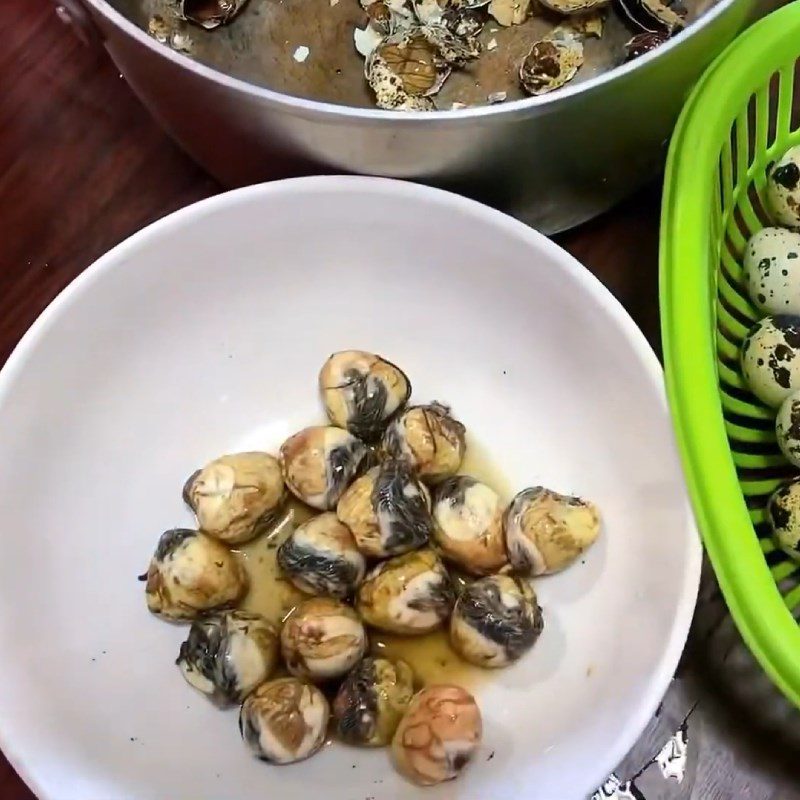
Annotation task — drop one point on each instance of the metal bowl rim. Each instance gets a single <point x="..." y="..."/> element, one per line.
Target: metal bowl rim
<point x="345" y="113"/>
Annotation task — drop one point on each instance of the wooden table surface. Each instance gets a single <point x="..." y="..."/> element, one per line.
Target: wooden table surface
<point x="82" y="166"/>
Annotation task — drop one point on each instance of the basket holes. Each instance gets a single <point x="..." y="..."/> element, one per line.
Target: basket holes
<point x="783" y="570"/>
<point x="747" y="214"/>
<point x="757" y="205"/>
<point x="772" y="118"/>
<point x="759" y="105"/>
<point x="778" y="473"/>
<point x="742" y="146"/>
<point x="775" y="560"/>
<point x="733" y="365"/>
<point x="735" y="251"/>
<point x="729" y="336"/>
<point x="764" y="531"/>
<point x="753" y="448"/>
<point x="745" y="321"/>
<point x="785" y="102"/>
<point x="742" y="228"/>
<point x="792" y="598"/>
<point x="726" y="174"/>
<point x="754" y="423"/>
<point x="751" y="118"/>
<point x="757" y="501"/>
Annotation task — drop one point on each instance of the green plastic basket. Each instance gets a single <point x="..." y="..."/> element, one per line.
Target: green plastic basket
<point x="738" y="119"/>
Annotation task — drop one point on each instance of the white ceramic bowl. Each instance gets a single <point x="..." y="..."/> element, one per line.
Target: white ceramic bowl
<point x="203" y="334"/>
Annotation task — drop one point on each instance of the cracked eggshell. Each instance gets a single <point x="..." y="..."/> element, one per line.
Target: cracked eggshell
<point x="469" y="524"/>
<point x="783" y="189"/>
<point x="409" y="594"/>
<point x="191" y="573"/>
<point x="772" y="270"/>
<point x="783" y="512"/>
<point x="361" y="390"/>
<point x="438" y="735"/>
<point x="547" y="531"/>
<point x="371" y="701"/>
<point x="320" y="462"/>
<point x="227" y="655"/>
<point x="787" y="428"/>
<point x="322" y="639"/>
<point x="550" y="64"/>
<point x="429" y="439"/>
<point x="320" y="557"/>
<point x="284" y="720"/>
<point x="236" y="497"/>
<point x="495" y="621"/>
<point x="771" y="358"/>
<point x="387" y="510"/>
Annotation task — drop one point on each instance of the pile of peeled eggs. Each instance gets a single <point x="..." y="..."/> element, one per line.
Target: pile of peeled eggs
<point x="394" y="521"/>
<point x="770" y="353"/>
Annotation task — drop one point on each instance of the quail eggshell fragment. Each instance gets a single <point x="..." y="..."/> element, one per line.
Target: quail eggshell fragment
<point x="509" y="12"/>
<point x="210" y="14"/>
<point x="322" y="639"/>
<point x="654" y="16"/>
<point x="783" y="189"/>
<point x="227" y="655"/>
<point x="388" y="511"/>
<point x="438" y="735"/>
<point x="320" y="557"/>
<point x="429" y="439"/>
<point x="284" y="720"/>
<point x="787" y="428"/>
<point x="191" y="573"/>
<point x="573" y="6"/>
<point x="236" y="497"/>
<point x="469" y="524"/>
<point x="409" y="594"/>
<point x="371" y="701"/>
<point x="550" y="64"/>
<point x="772" y="270"/>
<point x="361" y="391"/>
<point x="771" y="358"/>
<point x="320" y="462"/>
<point x="495" y="621"/>
<point x="547" y="531"/>
<point x="783" y="512"/>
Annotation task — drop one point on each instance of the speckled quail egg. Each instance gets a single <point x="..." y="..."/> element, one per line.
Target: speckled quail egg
<point x="409" y="594"/>
<point x="319" y="463"/>
<point x="320" y="557"/>
<point x="362" y="391"/>
<point x="227" y="655"/>
<point x="783" y="512"/>
<point x="495" y="621"/>
<point x="469" y="524"/>
<point x="191" y="573"/>
<point x="388" y="510"/>
<point x="772" y="270"/>
<point x="429" y="439"/>
<point x="284" y="720"/>
<point x="787" y="428"/>
<point x="322" y="639"/>
<point x="236" y="497"/>
<point x="783" y="189"/>
<point x="547" y="531"/>
<point x="438" y="735"/>
<point x="371" y="701"/>
<point x="771" y="358"/>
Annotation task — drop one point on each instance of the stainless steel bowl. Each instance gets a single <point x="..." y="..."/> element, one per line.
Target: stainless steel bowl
<point x="553" y="161"/>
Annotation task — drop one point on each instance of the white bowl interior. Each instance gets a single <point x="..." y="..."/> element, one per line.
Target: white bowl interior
<point x="204" y="334"/>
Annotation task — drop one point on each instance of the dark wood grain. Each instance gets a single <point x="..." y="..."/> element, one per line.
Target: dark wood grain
<point x="82" y="166"/>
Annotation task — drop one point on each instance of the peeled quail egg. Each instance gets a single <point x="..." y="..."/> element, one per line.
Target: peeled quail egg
<point x="320" y="557"/>
<point x="361" y="391"/>
<point x="322" y="639"/>
<point x="783" y="189"/>
<point x="771" y="358"/>
<point x="427" y="438"/>
<point x="371" y="701"/>
<point x="191" y="573"/>
<point x="319" y="463"/>
<point x="547" y="531"/>
<point x="438" y="735"/>
<point x="284" y="720"/>
<point x="783" y="512"/>
<point x="408" y="594"/>
<point x="227" y="655"/>
<point x="387" y="510"/>
<point x="236" y="496"/>
<point x="495" y="621"/>
<point x="772" y="270"/>
<point x="787" y="428"/>
<point x="469" y="524"/>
